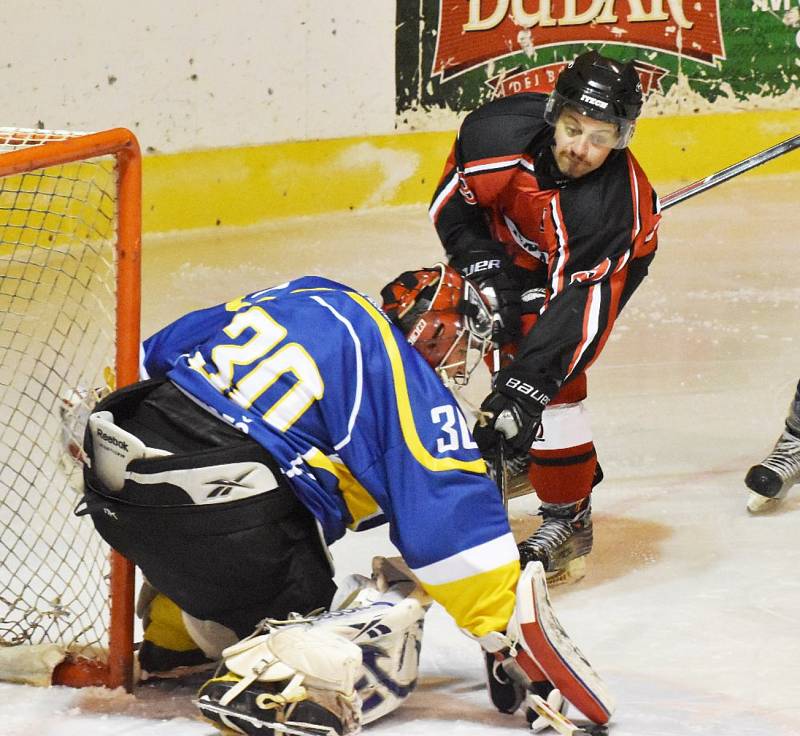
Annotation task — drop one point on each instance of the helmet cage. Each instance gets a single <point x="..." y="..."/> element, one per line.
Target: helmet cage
<point x="557" y="102"/>
<point x="445" y="318"/>
<point x="448" y="345"/>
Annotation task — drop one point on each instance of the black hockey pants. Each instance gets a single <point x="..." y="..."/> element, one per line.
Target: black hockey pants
<point x="234" y="562"/>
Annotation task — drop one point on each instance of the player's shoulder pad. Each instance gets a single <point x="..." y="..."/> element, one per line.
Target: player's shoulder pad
<point x="503" y="127"/>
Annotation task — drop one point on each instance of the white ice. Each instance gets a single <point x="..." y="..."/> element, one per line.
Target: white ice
<point x="691" y="608"/>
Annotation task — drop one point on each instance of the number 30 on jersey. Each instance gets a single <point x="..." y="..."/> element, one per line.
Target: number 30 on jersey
<point x="454" y="426"/>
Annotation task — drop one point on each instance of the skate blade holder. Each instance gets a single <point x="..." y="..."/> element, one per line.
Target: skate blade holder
<point x="574" y="571"/>
<point x="291" y="729"/>
<point x="559" y="722"/>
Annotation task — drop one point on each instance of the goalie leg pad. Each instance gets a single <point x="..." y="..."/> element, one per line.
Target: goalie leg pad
<point x="295" y="679"/>
<point x="388" y="631"/>
<point x="354" y="664"/>
<point x="535" y="626"/>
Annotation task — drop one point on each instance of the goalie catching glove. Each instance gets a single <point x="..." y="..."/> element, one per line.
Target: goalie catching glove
<point x="325" y="675"/>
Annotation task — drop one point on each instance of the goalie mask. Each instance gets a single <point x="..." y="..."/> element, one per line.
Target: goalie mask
<point x="443" y="316"/>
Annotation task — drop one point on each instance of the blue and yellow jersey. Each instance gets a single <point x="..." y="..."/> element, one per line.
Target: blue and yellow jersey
<point x="361" y="426"/>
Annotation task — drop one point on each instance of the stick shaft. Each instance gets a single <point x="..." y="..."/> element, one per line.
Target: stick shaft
<point x="701" y="185"/>
<point x="501" y="471"/>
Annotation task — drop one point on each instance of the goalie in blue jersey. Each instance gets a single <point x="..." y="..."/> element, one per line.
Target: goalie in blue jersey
<point x="265" y="428"/>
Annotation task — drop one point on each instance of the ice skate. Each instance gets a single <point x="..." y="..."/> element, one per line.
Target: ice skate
<point x="160" y="663"/>
<point x="562" y="541"/>
<point x="519" y="483"/>
<point x="771" y="479"/>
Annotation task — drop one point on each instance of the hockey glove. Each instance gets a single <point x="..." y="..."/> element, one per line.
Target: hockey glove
<point x="506" y="300"/>
<point x="480" y="264"/>
<point x="518" y="418"/>
<point x="487" y="268"/>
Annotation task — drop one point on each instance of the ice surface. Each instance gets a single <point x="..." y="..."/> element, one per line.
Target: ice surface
<point x="690" y="607"/>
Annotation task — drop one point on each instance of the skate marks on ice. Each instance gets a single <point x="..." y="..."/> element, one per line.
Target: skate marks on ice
<point x="622" y="545"/>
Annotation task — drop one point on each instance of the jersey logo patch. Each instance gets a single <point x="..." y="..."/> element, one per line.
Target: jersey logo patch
<point x="529" y="246"/>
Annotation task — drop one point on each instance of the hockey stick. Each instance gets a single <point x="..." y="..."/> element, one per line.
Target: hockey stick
<point x="713" y="180"/>
<point x="679" y="195"/>
<point x="500" y="469"/>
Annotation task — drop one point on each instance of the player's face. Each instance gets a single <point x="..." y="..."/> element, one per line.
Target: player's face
<point x="582" y="143"/>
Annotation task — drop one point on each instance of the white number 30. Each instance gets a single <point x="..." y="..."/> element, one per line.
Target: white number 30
<point x="455" y="436"/>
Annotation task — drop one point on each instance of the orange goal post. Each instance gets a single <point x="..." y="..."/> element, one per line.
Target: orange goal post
<point x="70" y="241"/>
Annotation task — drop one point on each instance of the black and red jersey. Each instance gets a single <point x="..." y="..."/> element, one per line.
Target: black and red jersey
<point x="588" y="241"/>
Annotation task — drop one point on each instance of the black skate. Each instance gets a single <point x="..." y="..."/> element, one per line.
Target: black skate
<point x="771" y="479"/>
<point x="562" y="541"/>
<point x="260" y="710"/>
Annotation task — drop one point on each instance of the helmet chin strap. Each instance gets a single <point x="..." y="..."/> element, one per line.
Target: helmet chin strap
<point x="449" y="382"/>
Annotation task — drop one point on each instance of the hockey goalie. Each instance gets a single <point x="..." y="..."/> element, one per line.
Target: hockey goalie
<point x="328" y="675"/>
<point x="263" y="430"/>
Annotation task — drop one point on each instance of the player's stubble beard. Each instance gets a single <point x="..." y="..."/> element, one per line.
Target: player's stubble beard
<point x="570" y="166"/>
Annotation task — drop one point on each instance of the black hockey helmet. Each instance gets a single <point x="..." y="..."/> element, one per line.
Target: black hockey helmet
<point x="600" y="88"/>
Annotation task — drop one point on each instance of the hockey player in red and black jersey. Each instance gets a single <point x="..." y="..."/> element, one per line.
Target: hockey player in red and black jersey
<point x="544" y="207"/>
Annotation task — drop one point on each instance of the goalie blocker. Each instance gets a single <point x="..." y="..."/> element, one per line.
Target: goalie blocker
<point x="535" y="648"/>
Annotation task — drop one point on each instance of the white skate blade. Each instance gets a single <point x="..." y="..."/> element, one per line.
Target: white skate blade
<point x="758" y="504"/>
<point x="546" y="642"/>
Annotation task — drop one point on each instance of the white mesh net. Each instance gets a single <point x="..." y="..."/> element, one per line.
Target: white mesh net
<point x="57" y="342"/>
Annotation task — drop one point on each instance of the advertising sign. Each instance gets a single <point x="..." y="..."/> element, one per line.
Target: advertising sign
<point x="454" y="54"/>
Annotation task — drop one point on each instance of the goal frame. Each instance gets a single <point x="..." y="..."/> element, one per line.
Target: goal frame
<point x="123" y="146"/>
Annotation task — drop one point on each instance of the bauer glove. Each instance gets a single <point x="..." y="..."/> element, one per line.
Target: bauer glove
<point x="513" y="410"/>
<point x="488" y="270"/>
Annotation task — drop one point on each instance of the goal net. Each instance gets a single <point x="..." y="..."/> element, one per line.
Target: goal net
<point x="69" y="316"/>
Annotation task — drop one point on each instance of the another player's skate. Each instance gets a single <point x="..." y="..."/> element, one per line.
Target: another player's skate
<point x="562" y="541"/>
<point x="771" y="479"/>
<point x="519" y="483"/>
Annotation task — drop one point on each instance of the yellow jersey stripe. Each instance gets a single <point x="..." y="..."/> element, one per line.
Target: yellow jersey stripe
<point x="358" y="500"/>
<point x="481" y="603"/>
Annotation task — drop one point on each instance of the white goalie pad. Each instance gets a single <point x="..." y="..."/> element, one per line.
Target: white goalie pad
<point x="537" y="630"/>
<point x="271" y="677"/>
<point x="303" y="655"/>
<point x="114" y="449"/>
<point x="359" y="662"/>
<point x="388" y="630"/>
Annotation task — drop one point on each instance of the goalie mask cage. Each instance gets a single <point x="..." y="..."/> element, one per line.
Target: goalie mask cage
<point x="70" y="231"/>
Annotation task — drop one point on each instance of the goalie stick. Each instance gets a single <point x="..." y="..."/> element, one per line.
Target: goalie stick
<point x="558" y="721"/>
<point x="713" y="180"/>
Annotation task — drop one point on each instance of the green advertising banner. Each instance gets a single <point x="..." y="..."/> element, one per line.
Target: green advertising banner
<point x="692" y="55"/>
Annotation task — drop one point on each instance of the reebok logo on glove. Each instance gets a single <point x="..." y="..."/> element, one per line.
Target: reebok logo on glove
<point x="527" y="390"/>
